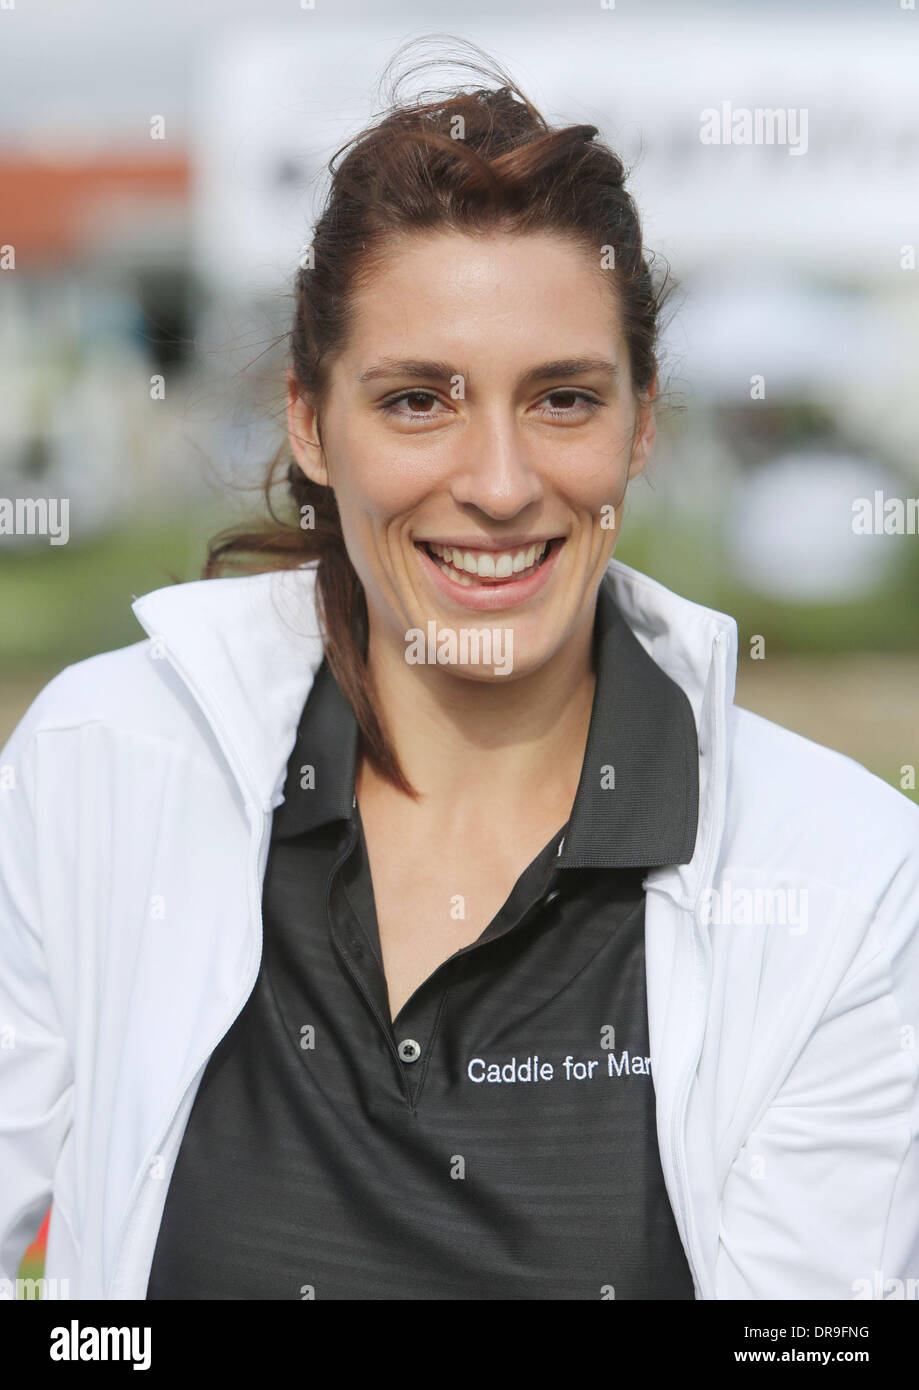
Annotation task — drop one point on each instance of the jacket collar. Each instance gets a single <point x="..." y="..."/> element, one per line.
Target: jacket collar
<point x="248" y="648"/>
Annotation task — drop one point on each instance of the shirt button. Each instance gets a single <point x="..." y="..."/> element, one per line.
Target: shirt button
<point x="409" y="1050"/>
<point x="550" y="897"/>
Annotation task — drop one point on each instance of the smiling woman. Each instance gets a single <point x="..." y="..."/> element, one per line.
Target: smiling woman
<point x="462" y="244"/>
<point x="354" y="897"/>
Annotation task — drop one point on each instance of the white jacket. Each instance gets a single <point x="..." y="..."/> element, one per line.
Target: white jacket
<point x="135" y="814"/>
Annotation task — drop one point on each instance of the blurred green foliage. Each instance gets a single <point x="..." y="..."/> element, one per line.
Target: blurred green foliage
<point x="691" y="565"/>
<point x="64" y="603"/>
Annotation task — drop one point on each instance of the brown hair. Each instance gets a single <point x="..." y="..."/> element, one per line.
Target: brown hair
<point x="409" y="173"/>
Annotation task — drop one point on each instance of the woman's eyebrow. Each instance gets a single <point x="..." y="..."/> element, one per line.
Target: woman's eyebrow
<point x="446" y="372"/>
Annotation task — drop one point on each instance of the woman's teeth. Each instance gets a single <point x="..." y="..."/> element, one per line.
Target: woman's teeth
<point x="466" y="567"/>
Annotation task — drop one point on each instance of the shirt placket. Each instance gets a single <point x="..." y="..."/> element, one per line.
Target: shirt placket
<point x="411" y="1037"/>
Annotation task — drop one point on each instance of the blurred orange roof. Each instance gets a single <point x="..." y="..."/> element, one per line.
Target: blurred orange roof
<point x="47" y="207"/>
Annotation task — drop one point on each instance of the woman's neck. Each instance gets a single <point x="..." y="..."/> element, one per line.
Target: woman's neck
<point x="507" y="741"/>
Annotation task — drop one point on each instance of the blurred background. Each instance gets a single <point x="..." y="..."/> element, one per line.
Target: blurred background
<point x="160" y="170"/>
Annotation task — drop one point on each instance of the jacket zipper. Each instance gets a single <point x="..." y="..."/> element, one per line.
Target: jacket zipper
<point x="138" y="1201"/>
<point x="701" y="973"/>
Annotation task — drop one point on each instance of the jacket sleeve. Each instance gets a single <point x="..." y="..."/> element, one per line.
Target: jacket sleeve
<point x="899" y="921"/>
<point x="36" y="1075"/>
<point x="823" y="1199"/>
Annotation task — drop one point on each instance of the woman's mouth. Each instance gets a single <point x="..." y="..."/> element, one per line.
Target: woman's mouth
<point x="485" y="566"/>
<point x="489" y="579"/>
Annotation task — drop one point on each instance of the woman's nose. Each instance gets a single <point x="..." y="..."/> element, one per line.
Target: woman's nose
<point x="495" y="470"/>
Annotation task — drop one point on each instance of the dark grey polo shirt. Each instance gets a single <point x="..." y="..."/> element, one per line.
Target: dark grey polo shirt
<point x="497" y="1140"/>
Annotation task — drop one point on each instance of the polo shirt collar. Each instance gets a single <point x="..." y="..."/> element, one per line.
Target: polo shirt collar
<point x="637" y="800"/>
<point x="320" y="776"/>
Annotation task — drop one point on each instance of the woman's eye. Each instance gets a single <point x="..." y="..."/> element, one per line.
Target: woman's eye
<point x="418" y="400"/>
<point x="575" y="404"/>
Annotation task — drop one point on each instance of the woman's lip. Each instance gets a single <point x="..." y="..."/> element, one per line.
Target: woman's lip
<point x="489" y="598"/>
<point x="493" y="547"/>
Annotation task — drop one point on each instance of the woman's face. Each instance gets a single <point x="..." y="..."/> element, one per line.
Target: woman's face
<point x="483" y="405"/>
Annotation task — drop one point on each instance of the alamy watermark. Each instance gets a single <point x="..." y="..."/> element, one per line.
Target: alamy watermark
<point x="763" y="125"/>
<point x="465" y="646"/>
<point x="34" y="1288"/>
<point x="885" y="516"/>
<point x="878" y="1285"/>
<point x="81" y="1342"/>
<point x="769" y="906"/>
<point x="36" y="516"/>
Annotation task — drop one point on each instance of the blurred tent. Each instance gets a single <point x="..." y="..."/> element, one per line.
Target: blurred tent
<point x="804" y="339"/>
<point x="789" y="533"/>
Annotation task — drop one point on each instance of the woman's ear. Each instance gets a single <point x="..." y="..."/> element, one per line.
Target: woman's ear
<point x="644" y="431"/>
<point x="303" y="433"/>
